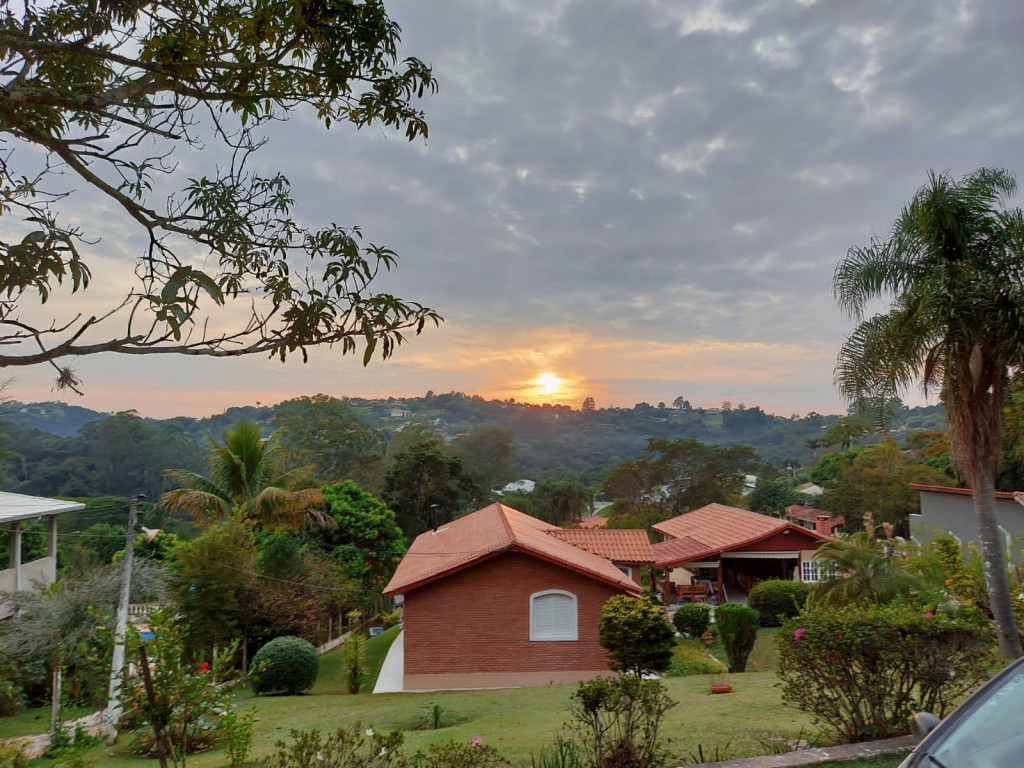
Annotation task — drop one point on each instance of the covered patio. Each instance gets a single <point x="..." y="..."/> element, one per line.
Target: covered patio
<point x="717" y="553"/>
<point x="16" y="509"/>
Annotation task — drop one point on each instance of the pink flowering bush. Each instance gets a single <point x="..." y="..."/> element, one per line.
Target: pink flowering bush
<point x="862" y="671"/>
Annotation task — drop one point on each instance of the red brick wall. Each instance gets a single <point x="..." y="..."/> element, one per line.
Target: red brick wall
<point x="478" y="620"/>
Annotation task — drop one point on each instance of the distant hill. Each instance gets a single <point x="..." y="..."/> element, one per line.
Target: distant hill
<point x="56" y="418"/>
<point x="549" y="439"/>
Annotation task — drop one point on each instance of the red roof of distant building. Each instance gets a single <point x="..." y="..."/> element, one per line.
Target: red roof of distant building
<point x="716" y="528"/>
<point x="594" y="521"/>
<point x="487" y="533"/>
<point x="810" y="515"/>
<point x="618" y="545"/>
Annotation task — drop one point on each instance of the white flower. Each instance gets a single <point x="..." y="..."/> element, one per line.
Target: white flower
<point x="383" y="750"/>
<point x="369" y="731"/>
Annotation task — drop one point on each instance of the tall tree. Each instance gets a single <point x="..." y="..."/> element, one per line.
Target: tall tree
<point x="426" y="487"/>
<point x="486" y="454"/>
<point x="245" y="481"/>
<point x="953" y="267"/>
<point x="98" y="97"/>
<point x="330" y="435"/>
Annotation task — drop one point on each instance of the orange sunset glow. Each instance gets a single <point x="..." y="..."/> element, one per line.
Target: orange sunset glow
<point x="548" y="384"/>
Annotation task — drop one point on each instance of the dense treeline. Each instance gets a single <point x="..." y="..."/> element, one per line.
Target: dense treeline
<point x="57" y="449"/>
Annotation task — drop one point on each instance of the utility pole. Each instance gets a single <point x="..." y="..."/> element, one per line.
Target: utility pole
<point x="117" y="664"/>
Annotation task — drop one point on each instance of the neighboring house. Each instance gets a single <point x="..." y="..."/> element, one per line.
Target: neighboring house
<point x="733" y="549"/>
<point x="16" y="509"/>
<point x="952" y="509"/>
<point x="497" y="599"/>
<point x="519" y="486"/>
<point x="628" y="549"/>
<point x="812" y="519"/>
<point x="810" y="489"/>
<point x="593" y="521"/>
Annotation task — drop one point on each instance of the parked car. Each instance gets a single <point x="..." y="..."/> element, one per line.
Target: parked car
<point x="985" y="731"/>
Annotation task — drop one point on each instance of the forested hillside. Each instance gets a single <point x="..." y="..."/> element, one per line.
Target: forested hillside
<point x="59" y="449"/>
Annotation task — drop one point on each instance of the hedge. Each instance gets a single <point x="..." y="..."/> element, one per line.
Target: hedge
<point x="777" y="600"/>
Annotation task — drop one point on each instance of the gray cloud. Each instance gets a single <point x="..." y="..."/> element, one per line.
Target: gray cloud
<point x="662" y="170"/>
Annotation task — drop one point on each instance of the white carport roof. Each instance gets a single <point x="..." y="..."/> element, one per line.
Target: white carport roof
<point x="17" y="506"/>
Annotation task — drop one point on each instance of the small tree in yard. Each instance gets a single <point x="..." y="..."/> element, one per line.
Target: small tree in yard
<point x="737" y="627"/>
<point x="636" y="634"/>
<point x="180" y="700"/>
<point x="618" y="721"/>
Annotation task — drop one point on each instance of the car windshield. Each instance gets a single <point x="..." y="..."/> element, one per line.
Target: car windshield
<point x="991" y="736"/>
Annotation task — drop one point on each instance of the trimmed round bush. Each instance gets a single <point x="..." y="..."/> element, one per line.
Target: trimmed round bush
<point x="284" y="665"/>
<point x="692" y="619"/>
<point x="777" y="600"/>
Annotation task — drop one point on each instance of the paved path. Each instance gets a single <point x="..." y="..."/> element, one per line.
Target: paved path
<point x="823" y="754"/>
<point x="392" y="672"/>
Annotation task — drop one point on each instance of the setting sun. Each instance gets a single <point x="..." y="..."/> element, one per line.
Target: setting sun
<point x="548" y="384"/>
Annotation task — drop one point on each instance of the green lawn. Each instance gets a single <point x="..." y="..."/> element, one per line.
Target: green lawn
<point x="517" y="721"/>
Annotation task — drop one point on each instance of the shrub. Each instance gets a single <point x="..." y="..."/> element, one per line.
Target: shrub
<point x="777" y="600"/>
<point x="355" y="656"/>
<point x="235" y="732"/>
<point x="354" y="747"/>
<point x="618" y="721"/>
<point x="637" y="635"/>
<point x="862" y="671"/>
<point x="350" y="747"/>
<point x="12" y="755"/>
<point x="454" y="754"/>
<point x="737" y="628"/>
<point x="692" y="619"/>
<point x="285" y="664"/>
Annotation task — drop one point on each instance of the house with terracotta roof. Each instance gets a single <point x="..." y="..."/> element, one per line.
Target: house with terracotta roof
<point x="732" y="549"/>
<point x="952" y="510"/>
<point x="593" y="521"/>
<point x="820" y="520"/>
<point x="501" y="599"/>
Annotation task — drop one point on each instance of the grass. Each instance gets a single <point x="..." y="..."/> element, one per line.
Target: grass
<point x="517" y="721"/>
<point x="37" y="720"/>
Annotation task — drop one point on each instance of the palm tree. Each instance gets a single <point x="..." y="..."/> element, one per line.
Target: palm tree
<point x="244" y="482"/>
<point x="863" y="569"/>
<point x="953" y="267"/>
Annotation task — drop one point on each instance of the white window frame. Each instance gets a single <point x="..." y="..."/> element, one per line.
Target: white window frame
<point x="544" y="634"/>
<point x="816" y="571"/>
<point x="628" y="570"/>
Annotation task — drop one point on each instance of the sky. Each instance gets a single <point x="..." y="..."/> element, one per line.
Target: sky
<point x="643" y="199"/>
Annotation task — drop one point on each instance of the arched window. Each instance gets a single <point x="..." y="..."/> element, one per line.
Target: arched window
<point x="553" y="615"/>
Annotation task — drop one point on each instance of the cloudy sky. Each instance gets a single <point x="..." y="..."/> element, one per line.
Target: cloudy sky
<point x="644" y="198"/>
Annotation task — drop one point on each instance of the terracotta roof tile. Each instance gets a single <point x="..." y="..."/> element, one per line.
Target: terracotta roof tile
<point x="594" y="521"/>
<point x="682" y="550"/>
<point x="718" y="528"/>
<point x="618" y="545"/>
<point x="490" y="531"/>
